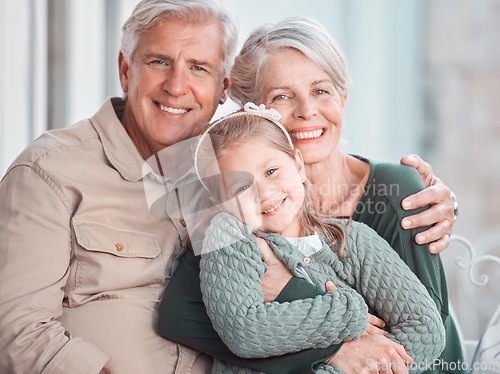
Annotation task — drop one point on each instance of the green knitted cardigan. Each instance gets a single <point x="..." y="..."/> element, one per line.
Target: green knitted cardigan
<point x="371" y="276"/>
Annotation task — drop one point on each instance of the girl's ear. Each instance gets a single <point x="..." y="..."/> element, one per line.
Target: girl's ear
<point x="299" y="162"/>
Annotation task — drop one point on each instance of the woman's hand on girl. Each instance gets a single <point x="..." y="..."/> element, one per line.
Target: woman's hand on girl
<point x="277" y="275"/>
<point x="371" y="353"/>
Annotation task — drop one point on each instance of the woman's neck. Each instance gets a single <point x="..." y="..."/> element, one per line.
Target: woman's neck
<point x="339" y="182"/>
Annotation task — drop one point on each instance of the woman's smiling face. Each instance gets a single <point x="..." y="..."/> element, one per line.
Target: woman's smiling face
<point x="311" y="107"/>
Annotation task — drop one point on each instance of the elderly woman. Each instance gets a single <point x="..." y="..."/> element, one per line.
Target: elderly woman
<point x="296" y="67"/>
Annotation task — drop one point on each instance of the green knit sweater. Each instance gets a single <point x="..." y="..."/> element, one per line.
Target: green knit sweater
<point x="230" y="274"/>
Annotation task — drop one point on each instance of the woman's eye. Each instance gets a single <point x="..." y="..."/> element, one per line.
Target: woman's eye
<point x="322" y="92"/>
<point x="270" y="172"/>
<point x="280" y="97"/>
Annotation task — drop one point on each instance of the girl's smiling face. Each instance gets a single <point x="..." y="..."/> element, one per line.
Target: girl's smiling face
<point x="263" y="186"/>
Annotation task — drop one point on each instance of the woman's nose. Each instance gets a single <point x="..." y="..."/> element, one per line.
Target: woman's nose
<point x="304" y="108"/>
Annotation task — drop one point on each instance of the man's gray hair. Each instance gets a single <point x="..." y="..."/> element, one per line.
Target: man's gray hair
<point x="148" y="12"/>
<point x="301" y="33"/>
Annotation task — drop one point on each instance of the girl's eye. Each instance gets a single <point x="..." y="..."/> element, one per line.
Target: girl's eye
<point x="270" y="172"/>
<point x="241" y="189"/>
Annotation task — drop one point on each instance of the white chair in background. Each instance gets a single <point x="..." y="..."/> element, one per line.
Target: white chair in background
<point x="483" y="354"/>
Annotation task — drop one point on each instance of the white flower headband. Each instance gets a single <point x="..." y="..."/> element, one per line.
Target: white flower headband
<point x="249" y="109"/>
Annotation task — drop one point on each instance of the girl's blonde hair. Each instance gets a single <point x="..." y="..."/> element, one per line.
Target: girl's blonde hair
<point x="230" y="133"/>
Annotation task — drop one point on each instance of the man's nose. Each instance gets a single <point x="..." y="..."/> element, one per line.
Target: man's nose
<point x="176" y="82"/>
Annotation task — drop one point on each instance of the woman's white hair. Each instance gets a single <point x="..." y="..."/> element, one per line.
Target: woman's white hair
<point x="148" y="12"/>
<point x="301" y="33"/>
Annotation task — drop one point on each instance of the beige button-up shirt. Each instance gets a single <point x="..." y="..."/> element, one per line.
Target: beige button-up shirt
<point x="83" y="261"/>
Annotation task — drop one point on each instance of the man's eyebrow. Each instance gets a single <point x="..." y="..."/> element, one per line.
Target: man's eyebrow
<point x="201" y="63"/>
<point x="158" y="56"/>
<point x="194" y="61"/>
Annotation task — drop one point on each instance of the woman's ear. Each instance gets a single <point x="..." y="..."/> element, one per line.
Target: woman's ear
<point x="299" y="162"/>
<point x="343" y="97"/>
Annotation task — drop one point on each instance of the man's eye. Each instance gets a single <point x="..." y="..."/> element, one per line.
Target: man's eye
<point x="198" y="68"/>
<point x="270" y="172"/>
<point x="157" y="62"/>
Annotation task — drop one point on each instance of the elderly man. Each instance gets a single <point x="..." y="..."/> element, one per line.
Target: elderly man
<point x="83" y="262"/>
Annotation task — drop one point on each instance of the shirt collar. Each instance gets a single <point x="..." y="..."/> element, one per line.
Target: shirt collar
<point x="118" y="147"/>
<point x="308" y="245"/>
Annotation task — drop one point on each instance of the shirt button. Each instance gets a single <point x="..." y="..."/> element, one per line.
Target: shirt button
<point x="307" y="260"/>
<point x="183" y="222"/>
<point x="119" y="247"/>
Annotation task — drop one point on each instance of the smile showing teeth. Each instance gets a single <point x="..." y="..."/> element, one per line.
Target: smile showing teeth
<point x="171" y="110"/>
<point x="273" y="208"/>
<point x="307" y="134"/>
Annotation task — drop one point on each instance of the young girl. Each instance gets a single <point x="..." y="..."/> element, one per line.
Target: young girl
<point x="247" y="163"/>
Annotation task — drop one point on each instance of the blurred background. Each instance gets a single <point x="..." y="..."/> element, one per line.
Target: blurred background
<point x="426" y="80"/>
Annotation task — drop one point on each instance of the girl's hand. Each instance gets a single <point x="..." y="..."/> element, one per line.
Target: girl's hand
<point x="441" y="213"/>
<point x="375" y="325"/>
<point x="330" y="286"/>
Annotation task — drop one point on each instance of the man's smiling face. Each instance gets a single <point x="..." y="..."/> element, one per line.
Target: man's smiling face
<point x="173" y="81"/>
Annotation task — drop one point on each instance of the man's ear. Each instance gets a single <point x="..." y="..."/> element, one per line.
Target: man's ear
<point x="225" y="85"/>
<point x="299" y="162"/>
<point x="123" y="67"/>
